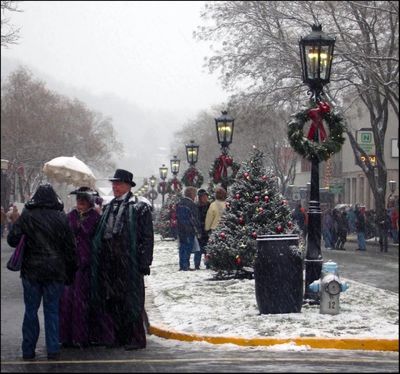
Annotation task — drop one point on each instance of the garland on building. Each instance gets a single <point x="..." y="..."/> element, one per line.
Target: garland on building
<point x="219" y="171"/>
<point x="306" y="146"/>
<point x="192" y="177"/>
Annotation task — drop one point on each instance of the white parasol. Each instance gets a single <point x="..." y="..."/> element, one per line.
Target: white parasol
<point x="69" y="170"/>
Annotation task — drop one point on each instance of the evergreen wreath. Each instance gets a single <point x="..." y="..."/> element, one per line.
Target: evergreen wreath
<point x="219" y="170"/>
<point x="174" y="185"/>
<point x="329" y="144"/>
<point x="192" y="177"/>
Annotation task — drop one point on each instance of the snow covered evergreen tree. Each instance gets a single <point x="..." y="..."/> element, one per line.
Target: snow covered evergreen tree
<point x="166" y="224"/>
<point x="254" y="206"/>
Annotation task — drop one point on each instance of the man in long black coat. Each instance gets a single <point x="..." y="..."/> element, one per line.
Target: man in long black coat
<point x="122" y="255"/>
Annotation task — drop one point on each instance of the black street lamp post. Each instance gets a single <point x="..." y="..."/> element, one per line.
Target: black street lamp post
<point x="175" y="164"/>
<point x="152" y="193"/>
<point x="162" y="186"/>
<point x="192" y="153"/>
<point x="224" y="125"/>
<point x="316" y="51"/>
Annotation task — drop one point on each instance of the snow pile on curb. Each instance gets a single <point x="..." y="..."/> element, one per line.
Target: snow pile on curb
<point x="193" y="302"/>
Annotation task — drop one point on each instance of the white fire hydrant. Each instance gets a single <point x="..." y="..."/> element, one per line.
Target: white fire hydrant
<point x="329" y="287"/>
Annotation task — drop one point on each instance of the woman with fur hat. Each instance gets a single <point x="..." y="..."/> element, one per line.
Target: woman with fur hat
<point x="74" y="305"/>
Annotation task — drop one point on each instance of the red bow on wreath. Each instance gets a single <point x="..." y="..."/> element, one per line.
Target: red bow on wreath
<point x="175" y="184"/>
<point x="191" y="175"/>
<point x="316" y="115"/>
<point x="221" y="170"/>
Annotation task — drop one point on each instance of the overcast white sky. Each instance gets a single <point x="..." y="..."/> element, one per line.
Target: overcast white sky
<point x="142" y="51"/>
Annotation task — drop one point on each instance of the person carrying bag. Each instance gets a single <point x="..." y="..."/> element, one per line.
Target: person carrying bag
<point x="15" y="261"/>
<point x="49" y="262"/>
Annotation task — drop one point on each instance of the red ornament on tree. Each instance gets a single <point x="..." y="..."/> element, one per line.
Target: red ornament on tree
<point x="237" y="196"/>
<point x="238" y="260"/>
<point x="241" y="220"/>
<point x="246" y="174"/>
<point x="266" y="198"/>
<point x="254" y="235"/>
<point x="256" y="198"/>
<point x="279" y="229"/>
<point x="222" y="235"/>
<point x="264" y="177"/>
<point x="290" y="224"/>
<point x="260" y="210"/>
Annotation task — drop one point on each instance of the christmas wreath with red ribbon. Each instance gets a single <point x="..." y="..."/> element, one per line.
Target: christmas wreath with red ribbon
<point x="192" y="177"/>
<point x="327" y="144"/>
<point x="174" y="185"/>
<point x="219" y="171"/>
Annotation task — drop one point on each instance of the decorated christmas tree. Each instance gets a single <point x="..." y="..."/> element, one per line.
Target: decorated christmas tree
<point x="166" y="224"/>
<point x="254" y="207"/>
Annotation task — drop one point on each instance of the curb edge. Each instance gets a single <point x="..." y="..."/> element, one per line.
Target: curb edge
<point x="369" y="344"/>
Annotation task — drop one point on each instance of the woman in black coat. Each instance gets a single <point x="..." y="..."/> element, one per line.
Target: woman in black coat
<point x="49" y="262"/>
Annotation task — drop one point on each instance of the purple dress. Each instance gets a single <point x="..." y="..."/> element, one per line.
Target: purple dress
<point x="74" y="303"/>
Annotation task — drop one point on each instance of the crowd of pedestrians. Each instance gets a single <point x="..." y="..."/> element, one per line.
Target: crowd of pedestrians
<point x="337" y="224"/>
<point x="87" y="266"/>
<point x="195" y="222"/>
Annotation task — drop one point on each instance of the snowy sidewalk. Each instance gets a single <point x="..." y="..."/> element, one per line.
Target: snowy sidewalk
<point x="192" y="302"/>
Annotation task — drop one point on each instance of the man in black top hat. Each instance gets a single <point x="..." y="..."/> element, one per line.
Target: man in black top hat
<point x="122" y="255"/>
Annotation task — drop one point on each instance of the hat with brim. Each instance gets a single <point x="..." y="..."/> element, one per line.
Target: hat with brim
<point x="122" y="175"/>
<point x="84" y="191"/>
<point x="202" y="192"/>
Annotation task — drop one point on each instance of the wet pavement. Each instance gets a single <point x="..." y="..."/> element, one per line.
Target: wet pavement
<point x="164" y="355"/>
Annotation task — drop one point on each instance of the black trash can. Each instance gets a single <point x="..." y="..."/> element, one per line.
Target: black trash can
<point x="278" y="274"/>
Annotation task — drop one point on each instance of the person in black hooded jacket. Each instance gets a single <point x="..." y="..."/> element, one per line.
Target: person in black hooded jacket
<point x="49" y="262"/>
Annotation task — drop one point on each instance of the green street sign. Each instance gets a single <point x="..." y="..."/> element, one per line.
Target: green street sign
<point x="365" y="140"/>
<point x="336" y="188"/>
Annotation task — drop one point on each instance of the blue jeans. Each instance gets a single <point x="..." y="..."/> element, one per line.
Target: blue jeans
<point x="327" y="235"/>
<point x="361" y="240"/>
<point x="185" y="249"/>
<point x="197" y="259"/>
<point x="33" y="293"/>
<point x="395" y="235"/>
